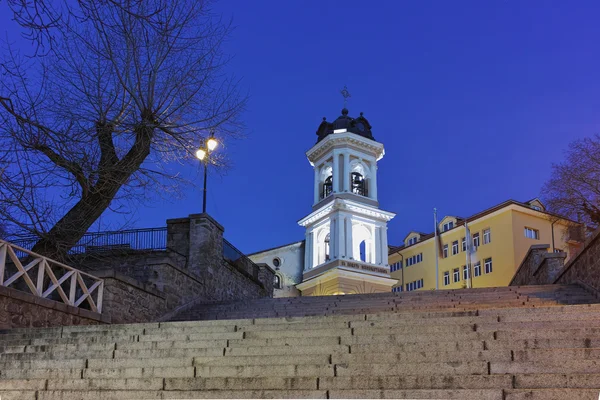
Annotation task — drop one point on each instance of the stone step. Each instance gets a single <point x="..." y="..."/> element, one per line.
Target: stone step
<point x="419" y="347"/>
<point x="435" y="381"/>
<point x="566" y="366"/>
<point x="532" y="333"/>
<point x="542" y="344"/>
<point x="392" y="339"/>
<point x="135" y="394"/>
<point x="433" y="368"/>
<point x="552" y="394"/>
<point x="394" y="356"/>
<point x="462" y="394"/>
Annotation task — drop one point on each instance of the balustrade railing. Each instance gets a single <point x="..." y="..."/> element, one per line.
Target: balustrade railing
<point x="46" y="278"/>
<point x="110" y="241"/>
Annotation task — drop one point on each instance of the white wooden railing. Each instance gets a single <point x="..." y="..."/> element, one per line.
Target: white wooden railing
<point x="47" y="270"/>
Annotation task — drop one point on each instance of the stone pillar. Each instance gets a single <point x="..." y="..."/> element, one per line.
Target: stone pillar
<point x="384" y="245"/>
<point x="348" y="228"/>
<point x="346" y="172"/>
<point x="178" y="236"/>
<point x="341" y="239"/>
<point x="307" y="250"/>
<point x="266" y="276"/>
<point x="332" y="237"/>
<point x="377" y="244"/>
<point x="317" y="185"/>
<point x="336" y="171"/>
<point x="206" y="243"/>
<point x="373" y="180"/>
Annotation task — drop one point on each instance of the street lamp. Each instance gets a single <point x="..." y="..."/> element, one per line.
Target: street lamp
<point x="203" y="155"/>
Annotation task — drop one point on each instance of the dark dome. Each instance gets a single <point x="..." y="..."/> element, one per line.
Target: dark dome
<point x="359" y="126"/>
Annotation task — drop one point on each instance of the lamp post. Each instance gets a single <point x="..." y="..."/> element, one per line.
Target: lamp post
<point x="203" y="155"/>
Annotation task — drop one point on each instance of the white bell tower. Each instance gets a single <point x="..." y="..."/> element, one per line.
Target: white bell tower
<point x="346" y="233"/>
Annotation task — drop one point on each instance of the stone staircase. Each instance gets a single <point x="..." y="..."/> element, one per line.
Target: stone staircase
<point x="471" y="299"/>
<point x="538" y="342"/>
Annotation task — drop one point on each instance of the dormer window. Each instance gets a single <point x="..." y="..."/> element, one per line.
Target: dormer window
<point x="412" y="240"/>
<point x="537" y="208"/>
<point x="448" y="226"/>
<point x="358" y="184"/>
<point x="327" y="186"/>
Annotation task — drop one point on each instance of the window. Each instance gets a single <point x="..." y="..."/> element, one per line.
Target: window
<point x="276" y="262"/>
<point x="327" y="247"/>
<point x="448" y="226"/>
<point x="537" y="208"/>
<point x="487" y="236"/>
<point x="476" y="240"/>
<point x="532" y="233"/>
<point x="477" y="269"/>
<point x="456" y="275"/>
<point x="455" y="247"/>
<point x="414" y="285"/>
<point x="412" y="240"/>
<point x="557" y="250"/>
<point x="414" y="259"/>
<point x="358" y="184"/>
<point x="488" y="265"/>
<point x="276" y="282"/>
<point x="466" y="273"/>
<point x="397" y="289"/>
<point x="327" y="186"/>
<point x="445" y="251"/>
<point x="396" y="266"/>
<point x="446" y="278"/>
<point x="464" y="244"/>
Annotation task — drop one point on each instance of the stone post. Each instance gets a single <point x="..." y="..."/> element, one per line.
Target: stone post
<point x="266" y="276"/>
<point x="205" y="244"/>
<point x="178" y="236"/>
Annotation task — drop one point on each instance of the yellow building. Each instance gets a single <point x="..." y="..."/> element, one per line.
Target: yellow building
<point x="501" y="237"/>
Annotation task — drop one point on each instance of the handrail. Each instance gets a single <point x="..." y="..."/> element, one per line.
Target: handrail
<point x="231" y="253"/>
<point x="47" y="269"/>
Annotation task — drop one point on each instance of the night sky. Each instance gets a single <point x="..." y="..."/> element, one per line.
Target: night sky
<point x="473" y="101"/>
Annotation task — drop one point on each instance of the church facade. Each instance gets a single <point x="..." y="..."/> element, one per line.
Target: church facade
<point x="345" y="249"/>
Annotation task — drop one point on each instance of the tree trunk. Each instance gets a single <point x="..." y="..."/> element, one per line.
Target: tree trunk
<point x="75" y="223"/>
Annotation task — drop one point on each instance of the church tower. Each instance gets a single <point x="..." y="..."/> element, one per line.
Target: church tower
<point x="346" y="248"/>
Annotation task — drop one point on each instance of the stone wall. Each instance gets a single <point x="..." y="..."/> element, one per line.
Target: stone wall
<point x="146" y="285"/>
<point x="584" y="268"/>
<point x="539" y="267"/>
<point x="24" y="310"/>
<point x="291" y="262"/>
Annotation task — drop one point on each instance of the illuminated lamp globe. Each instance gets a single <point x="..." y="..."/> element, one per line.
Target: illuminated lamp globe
<point x="201" y="153"/>
<point x="211" y="144"/>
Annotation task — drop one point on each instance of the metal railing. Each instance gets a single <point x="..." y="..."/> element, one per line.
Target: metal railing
<point x="110" y="241"/>
<point x="236" y="257"/>
<point x="51" y="279"/>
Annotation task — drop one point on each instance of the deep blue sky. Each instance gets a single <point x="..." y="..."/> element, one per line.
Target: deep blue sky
<point x="473" y="101"/>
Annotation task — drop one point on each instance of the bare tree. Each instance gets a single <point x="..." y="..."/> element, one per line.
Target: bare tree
<point x="127" y="87"/>
<point x="573" y="189"/>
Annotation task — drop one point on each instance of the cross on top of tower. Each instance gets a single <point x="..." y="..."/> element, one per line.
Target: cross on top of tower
<point x="345" y="93"/>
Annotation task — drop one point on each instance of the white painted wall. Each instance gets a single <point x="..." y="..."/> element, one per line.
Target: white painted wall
<point x="290" y="269"/>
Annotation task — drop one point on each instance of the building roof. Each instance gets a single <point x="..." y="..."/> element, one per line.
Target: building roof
<point x="274" y="248"/>
<point x="461" y="222"/>
<point x="359" y="126"/>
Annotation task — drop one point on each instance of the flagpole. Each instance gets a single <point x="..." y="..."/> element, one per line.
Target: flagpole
<point x="468" y="254"/>
<point x="437" y="278"/>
